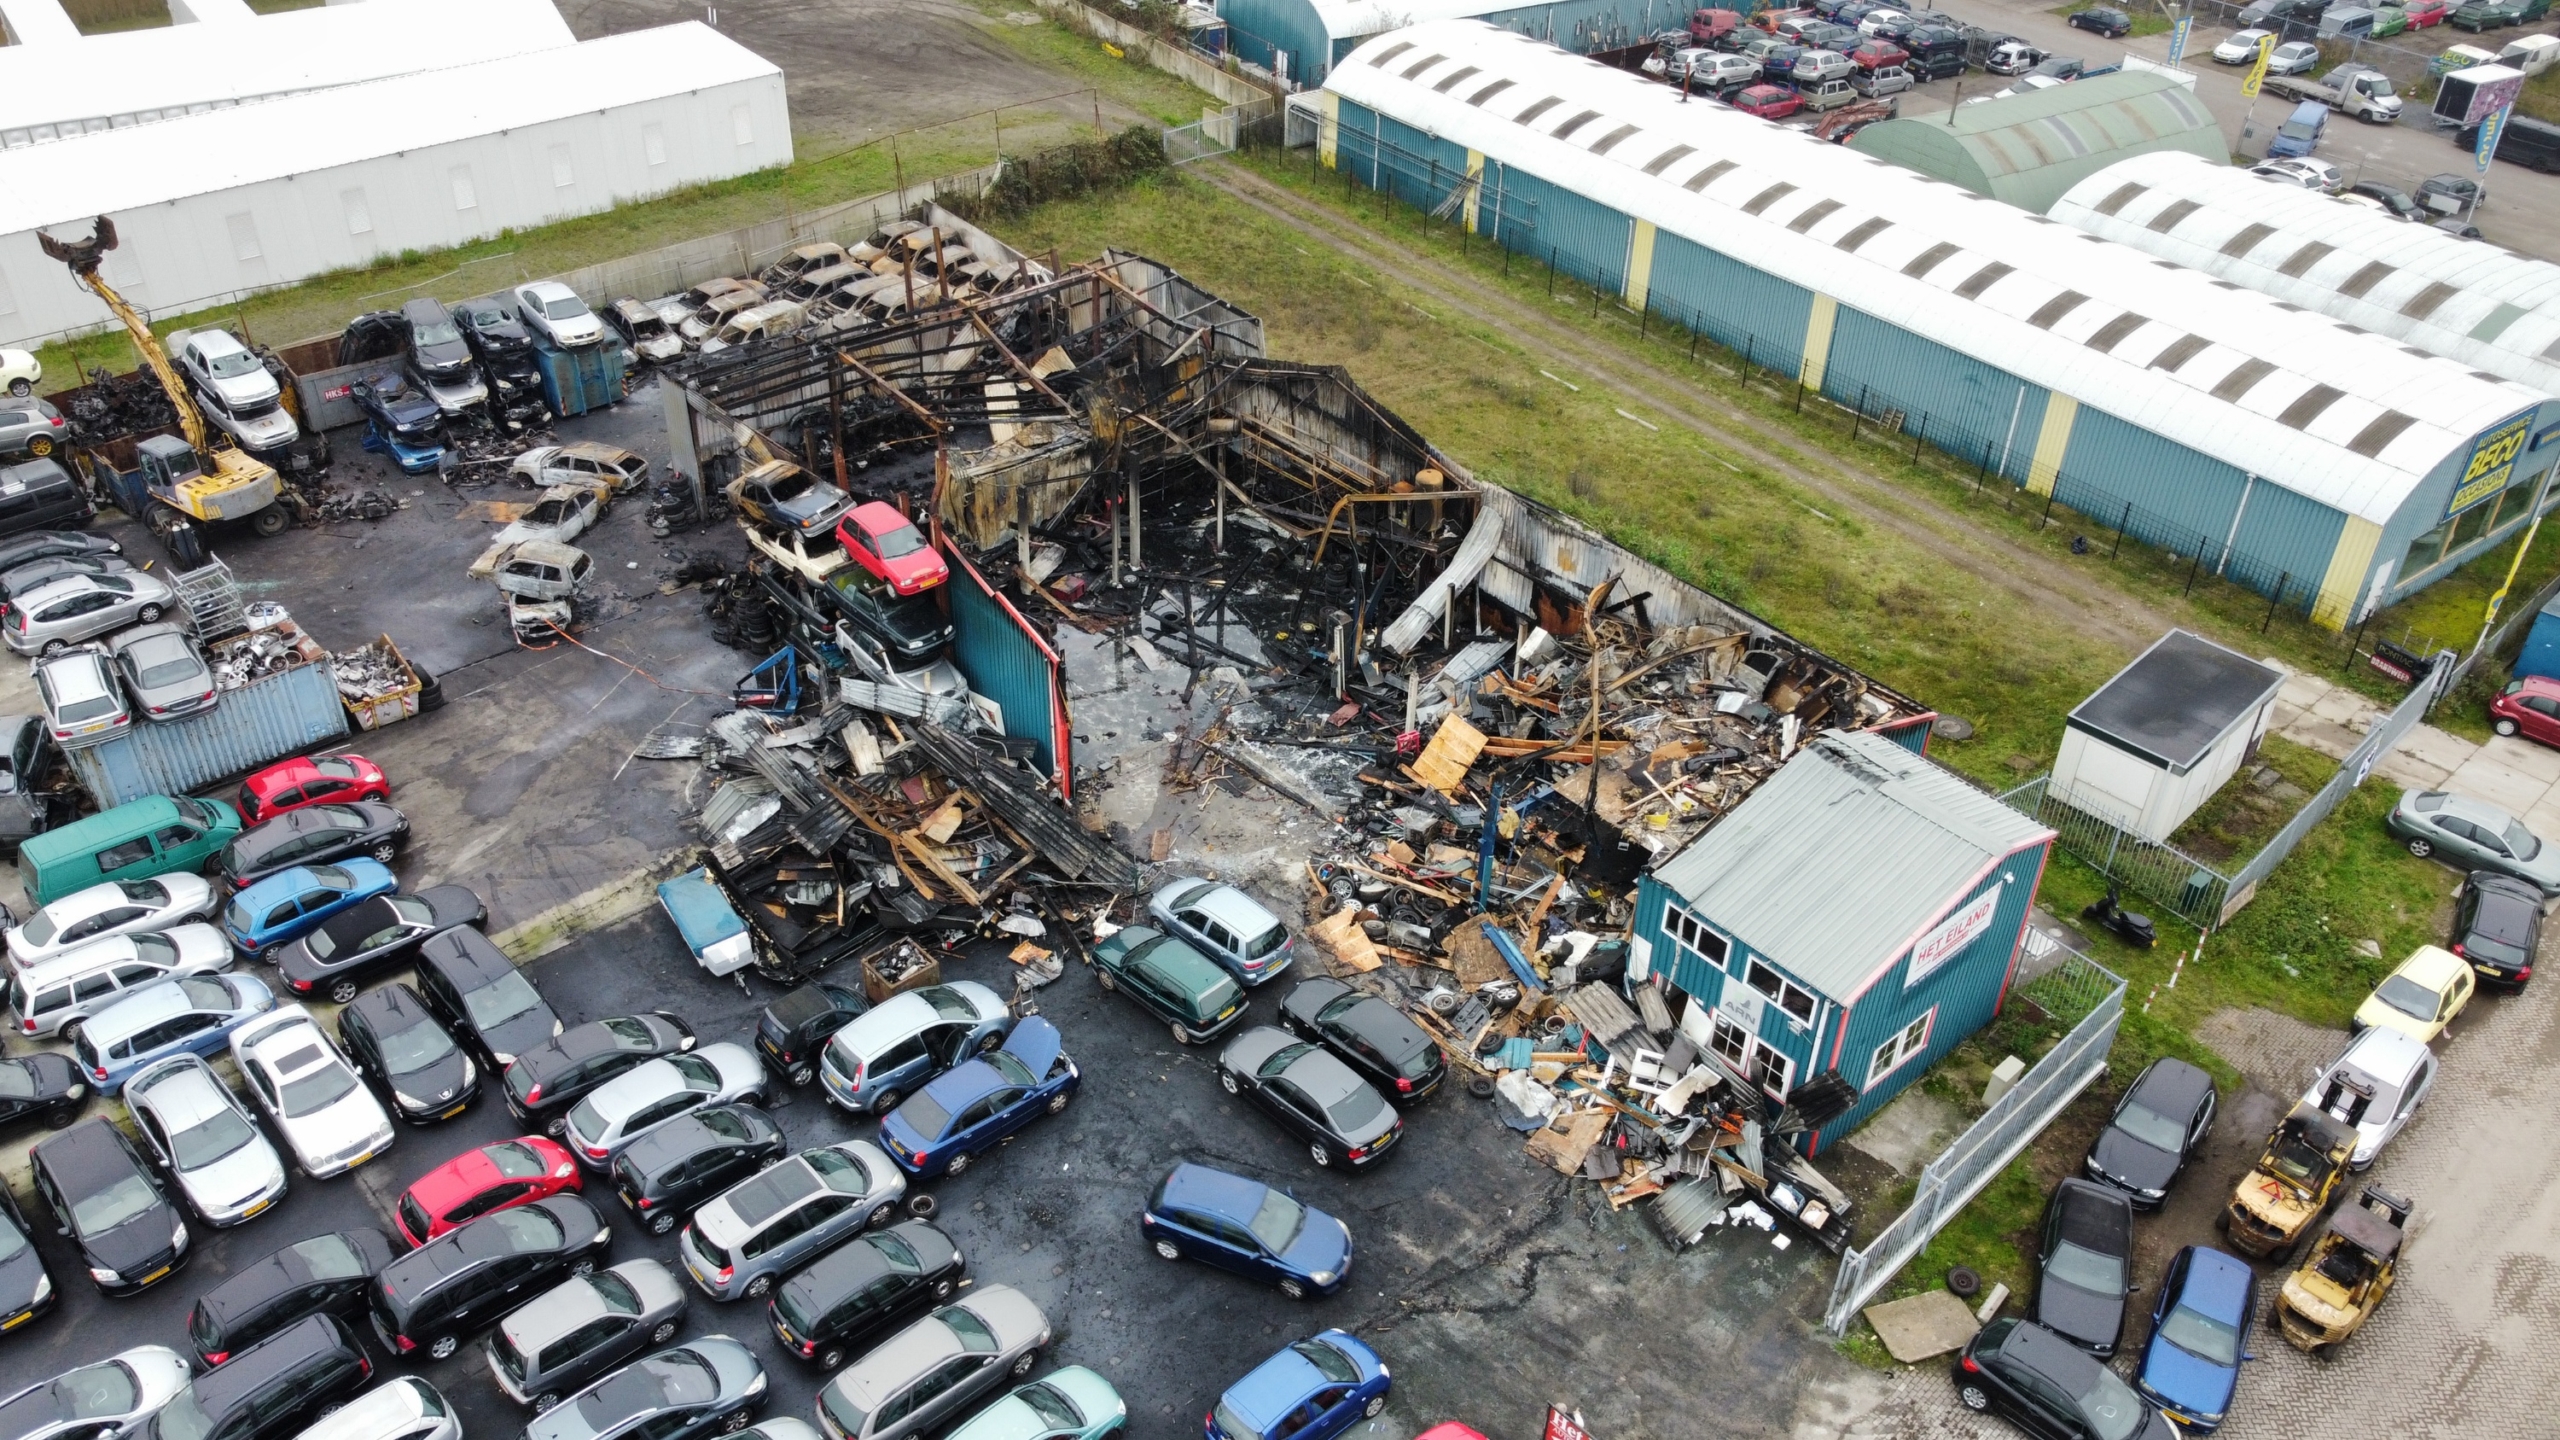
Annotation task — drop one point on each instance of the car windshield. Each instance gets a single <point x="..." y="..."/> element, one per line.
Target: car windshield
<point x="182" y="1419"/>
<point x="221" y="1133"/>
<point x="2408" y="997"/>
<point x="848" y="1417"/>
<point x="435" y="332"/>
<point x="2152" y="1128"/>
<point x="900" y="542"/>
<point x="615" y="1292"/>
<point x="515" y="1160"/>
<point x="231" y="364"/>
<point x="2202" y="1336"/>
<point x="2109" y="1406"/>
<point x="1277" y="1222"/>
<point x="318" y="1090"/>
<point x="415" y="1048"/>
<point x="567" y="307"/>
<point x="501" y="1000"/>
<point x="2297" y="1160"/>
<point x="2521" y="842"/>
<point x="2085" y="1269"/>
<point x="1053" y="1408"/>
<point x="39" y="928"/>
<point x="973" y="1333"/>
<point x="1329" y="1362"/>
<point x="104" y="1209"/>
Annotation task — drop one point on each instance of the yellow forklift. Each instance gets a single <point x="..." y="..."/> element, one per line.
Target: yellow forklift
<point x="178" y="483"/>
<point x="2294" y="1183"/>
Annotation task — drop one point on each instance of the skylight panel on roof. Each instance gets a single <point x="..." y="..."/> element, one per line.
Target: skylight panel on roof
<point x="1379" y="60"/>
<point x="2173" y="212"/>
<point x="1928" y="260"/>
<point x="1866" y="230"/>
<point x="2247" y="240"/>
<point x="2114" y="331"/>
<point x="1814" y="214"/>
<point x="1565" y="130"/>
<point x="2379" y="432"/>
<point x="1488" y="92"/>
<point x="1767" y="198"/>
<point x="2303" y="259"/>
<point x="2243" y="378"/>
<point x="2426" y="302"/>
<point x="2373" y="273"/>
<point x="1455" y="76"/>
<point x="2054" y="309"/>
<point x="2306" y="407"/>
<point x="2120" y="197"/>
<point x="1707" y="177"/>
<point x="1609" y="142"/>
<point x="1425" y="63"/>
<point x="1668" y="158"/>
<point x="1541" y="108"/>
<point x="1983" y="279"/>
<point x="2179" y="351"/>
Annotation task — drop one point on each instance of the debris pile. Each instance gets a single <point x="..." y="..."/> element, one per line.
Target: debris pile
<point x="274" y="647"/>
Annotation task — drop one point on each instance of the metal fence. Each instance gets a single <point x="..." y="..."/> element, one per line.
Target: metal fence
<point x="2159" y="872"/>
<point x="1951" y="1181"/>
<point x="2503" y="640"/>
<point x="1199" y="140"/>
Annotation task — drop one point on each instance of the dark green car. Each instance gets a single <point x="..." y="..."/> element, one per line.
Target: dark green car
<point x="1172" y="981"/>
<point x="2481" y="15"/>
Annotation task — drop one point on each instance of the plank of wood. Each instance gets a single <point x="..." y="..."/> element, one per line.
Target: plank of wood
<point x="943" y="823"/>
<point x="1434" y="892"/>
<point x="1340" y="933"/>
<point x="924" y="853"/>
<point x="1453" y="748"/>
<point x="1538" y="916"/>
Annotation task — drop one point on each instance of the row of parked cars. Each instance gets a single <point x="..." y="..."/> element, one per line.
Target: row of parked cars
<point x="903" y="267"/>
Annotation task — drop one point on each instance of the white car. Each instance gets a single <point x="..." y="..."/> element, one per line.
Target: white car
<point x="560" y="515"/>
<point x="204" y="1138"/>
<point x="407" y="1408"/>
<point x="2241" y="47"/>
<point x="21" y="372"/>
<point x="310" y="1093"/>
<point x="2308" y="173"/>
<point x="2294" y="57"/>
<point x="1875" y="20"/>
<point x="554" y="311"/>
<point x="239" y="394"/>
<point x="641" y="1099"/>
<point x="61" y="993"/>
<point x="2374" y="1087"/>
<point x="584" y="463"/>
<point x="111" y="1397"/>
<point x="119" y="907"/>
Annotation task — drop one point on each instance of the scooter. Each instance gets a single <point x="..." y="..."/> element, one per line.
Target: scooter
<point x="2124" y="924"/>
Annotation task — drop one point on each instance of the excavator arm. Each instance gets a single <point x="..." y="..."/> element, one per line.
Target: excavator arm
<point x="84" y="257"/>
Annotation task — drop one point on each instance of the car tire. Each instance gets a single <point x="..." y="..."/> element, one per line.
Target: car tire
<point x="556" y="1127"/>
<point x="21" y="389"/>
<point x="958" y="1164"/>
<point x="1376" y="1404"/>
<point x="803" y="1074"/>
<point x="1058" y="1102"/>
<point x="543" y="1402"/>
<point x="921" y="1207"/>
<point x="988" y="1042"/>
<point x="1293" y="1289"/>
<point x="2421" y="847"/>
<point x="55" y="647"/>
<point x="1974" y="1398"/>
<point x="585" y="1267"/>
<point x="443" y="1346"/>
<point x="148" y="614"/>
<point x="735" y="1421"/>
<point x="1322" y="1155"/>
<point x="40" y="446"/>
<point x="1227" y="1082"/>
<point x="1103" y="978"/>
<point x="760" y="1287"/>
<point x="831" y="1358"/>
<point x="1167" y="1250"/>
<point x="2504" y="727"/>
<point x="887" y="1101"/>
<point x="1030" y="1361"/>
<point x="69" y="1035"/>
<point x="882" y="1214"/>
<point x="662" y="1224"/>
<point x="344" y="992"/>
<point x="383" y="852"/>
<point x="62" y="1117"/>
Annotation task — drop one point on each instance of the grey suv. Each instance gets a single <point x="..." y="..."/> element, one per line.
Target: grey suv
<point x="584" y="1326"/>
<point x="52" y="618"/>
<point x="787" y="1216"/>
<point x="927" y="1373"/>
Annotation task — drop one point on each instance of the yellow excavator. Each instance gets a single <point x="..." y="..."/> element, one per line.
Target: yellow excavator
<point x="201" y="479"/>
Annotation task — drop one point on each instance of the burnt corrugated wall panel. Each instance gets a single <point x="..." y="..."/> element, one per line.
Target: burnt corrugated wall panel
<point x="268" y="719"/>
<point x="1004" y="661"/>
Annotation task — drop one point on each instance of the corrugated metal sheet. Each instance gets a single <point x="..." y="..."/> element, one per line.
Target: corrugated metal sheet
<point x="2028" y="149"/>
<point x="1965" y="403"/>
<point x="282" y="714"/>
<point x="1742" y="183"/>
<point x="1005" y="662"/>
<point x="1744" y="308"/>
<point x="1844" y="856"/>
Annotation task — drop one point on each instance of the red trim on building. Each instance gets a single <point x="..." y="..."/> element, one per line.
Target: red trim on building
<point x="2020" y="949"/>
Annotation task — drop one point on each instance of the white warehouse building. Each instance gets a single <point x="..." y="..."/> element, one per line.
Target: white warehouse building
<point x="55" y="89"/>
<point x="214" y="206"/>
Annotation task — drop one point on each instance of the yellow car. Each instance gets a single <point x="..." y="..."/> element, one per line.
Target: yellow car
<point x="2421" y="997"/>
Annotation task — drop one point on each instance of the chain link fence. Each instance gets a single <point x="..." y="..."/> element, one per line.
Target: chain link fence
<point x="2157" y="871"/>
<point x="2072" y="986"/>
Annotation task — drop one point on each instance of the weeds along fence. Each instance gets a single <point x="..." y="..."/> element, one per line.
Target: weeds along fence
<point x="2000" y="465"/>
<point x="1064" y="172"/>
<point x="2072" y="989"/>
<point x="2158" y="872"/>
<point x="2352" y="772"/>
<point x="2498" y="648"/>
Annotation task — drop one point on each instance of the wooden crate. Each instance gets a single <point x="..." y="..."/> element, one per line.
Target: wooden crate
<point x="876" y="988"/>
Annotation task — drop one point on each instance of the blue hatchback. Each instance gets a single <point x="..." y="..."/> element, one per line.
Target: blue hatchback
<point x="1247" y="1227"/>
<point x="292" y="903"/>
<point x="1314" y="1389"/>
<point x="2192" y="1364"/>
<point x="980" y="1103"/>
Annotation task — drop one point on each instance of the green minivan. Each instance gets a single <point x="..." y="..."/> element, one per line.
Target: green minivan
<point x="155" y="836"/>
<point x="1182" y="987"/>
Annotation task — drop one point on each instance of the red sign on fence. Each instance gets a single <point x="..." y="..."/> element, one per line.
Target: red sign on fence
<point x="1561" y="1426"/>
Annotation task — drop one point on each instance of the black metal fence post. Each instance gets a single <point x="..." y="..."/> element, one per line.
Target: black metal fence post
<point x="2274" y="600"/>
<point x="2047" y="517"/>
<point x="1920" y="437"/>
<point x="1551" y="272"/>
<point x="2192" y="562"/>
<point x="1858" y="417"/>
<point x="1799" y="394"/>
<point x="1748" y="343"/>
<point x="2120" y="526"/>
<point x="1983" y="474"/>
<point x="2355" y="642"/>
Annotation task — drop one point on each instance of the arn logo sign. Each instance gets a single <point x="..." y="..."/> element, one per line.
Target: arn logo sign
<point x="2493" y="464"/>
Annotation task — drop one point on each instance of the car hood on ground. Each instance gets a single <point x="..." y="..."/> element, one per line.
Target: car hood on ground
<point x="2131" y="1163"/>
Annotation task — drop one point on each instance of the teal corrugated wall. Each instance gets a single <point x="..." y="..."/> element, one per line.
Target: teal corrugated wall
<point x="1733" y="303"/>
<point x="1256" y="28"/>
<point x="1004" y="663"/>
<point x="1965" y="403"/>
<point x="2190" y="494"/>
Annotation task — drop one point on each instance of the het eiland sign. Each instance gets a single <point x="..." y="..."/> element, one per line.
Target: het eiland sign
<point x="2492" y="466"/>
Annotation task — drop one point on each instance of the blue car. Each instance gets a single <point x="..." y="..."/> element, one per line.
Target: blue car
<point x="1247" y="1227"/>
<point x="292" y="903"/>
<point x="977" y="1105"/>
<point x="1314" y="1389"/>
<point x="2192" y="1363"/>
<point x="192" y="1015"/>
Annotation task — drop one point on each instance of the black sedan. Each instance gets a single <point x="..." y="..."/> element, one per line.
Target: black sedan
<point x="17" y="550"/>
<point x="856" y="1293"/>
<point x="490" y="327"/>
<point x="545" y="1081"/>
<point x="482" y="997"/>
<point x="671" y="1170"/>
<point x="43" y="1087"/>
<point x="313" y="835"/>
<point x="406" y="1055"/>
<point x="101" y="1193"/>
<point x="2158" y="1126"/>
<point x="26" y="1287"/>
<point x="371" y="936"/>
<point x="1371" y="1036"/>
<point x="2100" y="20"/>
<point x="325" y="1273"/>
<point x="2039" y="1380"/>
<point x="2497" y="925"/>
<point x="2086" y="1268"/>
<point x="399" y="408"/>
<point x="1313" y="1095"/>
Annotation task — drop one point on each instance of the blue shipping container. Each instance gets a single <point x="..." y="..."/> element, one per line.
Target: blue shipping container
<point x="577" y="381"/>
<point x="2542" y="645"/>
<point x="282" y="714"/>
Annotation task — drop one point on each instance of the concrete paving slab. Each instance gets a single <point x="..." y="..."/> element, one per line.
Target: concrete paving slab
<point x="2525" y="757"/>
<point x="2400" y="769"/>
<point x="1908" y="1133"/>
<point x="2333" y="740"/>
<point x="1917" y="1327"/>
<point x="2302" y="691"/>
<point x="2483" y="778"/>
<point x="2447" y="752"/>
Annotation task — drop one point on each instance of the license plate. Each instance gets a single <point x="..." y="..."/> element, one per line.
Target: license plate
<point x="360" y="1159"/>
<point x="254" y="1209"/>
<point x="14" y="1321"/>
<point x="156" y="1274"/>
<point x="456" y="1110"/>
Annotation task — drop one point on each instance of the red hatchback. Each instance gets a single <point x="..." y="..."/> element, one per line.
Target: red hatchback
<point x="292" y="784"/>
<point x="1876" y="54"/>
<point x="2529" y="707"/>
<point x="2423" y="13"/>
<point x="1769" y="102"/>
<point x="888" y="545"/>
<point x="483" y="1181"/>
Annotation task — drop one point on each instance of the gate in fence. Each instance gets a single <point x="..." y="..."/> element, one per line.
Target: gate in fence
<point x="2071" y="985"/>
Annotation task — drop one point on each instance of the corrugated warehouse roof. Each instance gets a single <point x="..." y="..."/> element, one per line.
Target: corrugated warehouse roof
<point x="1344" y="19"/>
<point x="2028" y="149"/>
<point x="73" y="180"/>
<point x="1844" y="857"/>
<point x="2488" y="308"/>
<point x="2348" y="420"/>
<point x="131" y="77"/>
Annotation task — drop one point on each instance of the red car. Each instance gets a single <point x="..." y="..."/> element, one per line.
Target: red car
<point x="2423" y="13"/>
<point x="888" y="545"/>
<point x="2530" y="707"/>
<point x="1876" y="54"/>
<point x="292" y="784"/>
<point x="1769" y="102"/>
<point x="484" y="1181"/>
